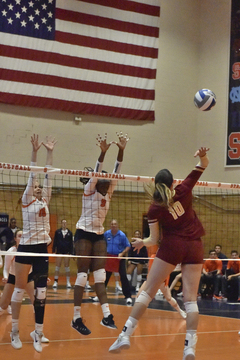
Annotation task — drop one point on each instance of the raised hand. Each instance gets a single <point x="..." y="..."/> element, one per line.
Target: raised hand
<point x="201" y="152"/>
<point x="34" y="140"/>
<point x="50" y="143"/>
<point x="122" y="140"/>
<point x="102" y="142"/>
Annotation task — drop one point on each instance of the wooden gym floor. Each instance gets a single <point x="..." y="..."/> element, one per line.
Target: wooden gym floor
<point x="159" y="335"/>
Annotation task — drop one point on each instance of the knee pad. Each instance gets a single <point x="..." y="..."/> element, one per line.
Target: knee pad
<point x="67" y="269"/>
<point x="191" y="306"/>
<point x="99" y="276"/>
<point x="143" y="298"/>
<point x="40" y="296"/>
<point x="81" y="279"/>
<point x="17" y="295"/>
<point x="139" y="277"/>
<point x="57" y="268"/>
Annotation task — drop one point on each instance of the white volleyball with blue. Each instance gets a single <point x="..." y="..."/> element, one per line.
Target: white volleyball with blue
<point x="204" y="99"/>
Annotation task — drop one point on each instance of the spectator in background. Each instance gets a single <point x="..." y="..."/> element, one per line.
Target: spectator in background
<point x="232" y="276"/>
<point x="136" y="263"/>
<point x="118" y="288"/>
<point x="220" y="255"/>
<point x="118" y="246"/>
<point x="212" y="274"/>
<point x="62" y="244"/>
<point x="9" y="281"/>
<point x="7" y="235"/>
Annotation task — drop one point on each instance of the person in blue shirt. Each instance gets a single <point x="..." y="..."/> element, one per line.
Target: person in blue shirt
<point x="118" y="246"/>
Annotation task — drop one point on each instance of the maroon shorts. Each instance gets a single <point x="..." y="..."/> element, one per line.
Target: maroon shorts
<point x="181" y="251"/>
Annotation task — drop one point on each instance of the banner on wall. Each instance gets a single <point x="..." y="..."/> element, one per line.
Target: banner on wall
<point x="233" y="127"/>
<point x="94" y="57"/>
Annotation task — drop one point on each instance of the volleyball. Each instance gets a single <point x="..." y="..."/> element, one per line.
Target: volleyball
<point x="204" y="99"/>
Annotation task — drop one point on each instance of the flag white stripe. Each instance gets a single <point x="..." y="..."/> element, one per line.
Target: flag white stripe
<point x="109" y="12"/>
<point x="153" y="2"/>
<point x="106" y="34"/>
<point x="78" y="51"/>
<point x="75" y="73"/>
<point x="73" y="95"/>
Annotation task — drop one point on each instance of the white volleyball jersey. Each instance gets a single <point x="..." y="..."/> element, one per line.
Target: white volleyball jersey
<point x="94" y="205"/>
<point x="9" y="264"/>
<point x="35" y="213"/>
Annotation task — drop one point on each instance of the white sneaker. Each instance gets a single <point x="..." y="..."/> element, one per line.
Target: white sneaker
<point x="37" y="339"/>
<point x="190" y="345"/>
<point x="122" y="342"/>
<point x="129" y="301"/>
<point x="182" y="313"/>
<point x="94" y="298"/>
<point x="180" y="294"/>
<point x="15" y="341"/>
<point x="69" y="286"/>
<point x="44" y="340"/>
<point x="118" y="289"/>
<point x="88" y="287"/>
<point x="239" y="333"/>
<point x="159" y="293"/>
<point x="9" y="310"/>
<point x="55" y="285"/>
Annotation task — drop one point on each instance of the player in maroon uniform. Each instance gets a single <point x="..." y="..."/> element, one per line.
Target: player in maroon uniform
<point x="171" y="211"/>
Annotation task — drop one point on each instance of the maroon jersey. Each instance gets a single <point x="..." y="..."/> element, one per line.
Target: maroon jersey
<point x="179" y="220"/>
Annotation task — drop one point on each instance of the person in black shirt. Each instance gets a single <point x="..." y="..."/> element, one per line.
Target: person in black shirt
<point x="7" y="235"/>
<point x="62" y="244"/>
<point x="220" y="255"/>
<point x="137" y="262"/>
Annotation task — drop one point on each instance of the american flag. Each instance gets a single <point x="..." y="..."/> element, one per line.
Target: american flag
<point x="86" y="57"/>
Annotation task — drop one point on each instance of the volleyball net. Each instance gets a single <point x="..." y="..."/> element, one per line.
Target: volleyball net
<point x="216" y="204"/>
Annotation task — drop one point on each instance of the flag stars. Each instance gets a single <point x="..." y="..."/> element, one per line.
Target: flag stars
<point x="23" y="23"/>
<point x="29" y="17"/>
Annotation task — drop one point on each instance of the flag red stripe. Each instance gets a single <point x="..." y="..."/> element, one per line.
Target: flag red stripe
<point x="76" y="107"/>
<point x="93" y="20"/>
<point x="78" y="85"/>
<point x="73" y="61"/>
<point x="107" y="45"/>
<point x="128" y="6"/>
